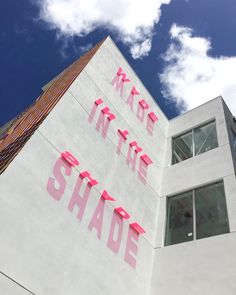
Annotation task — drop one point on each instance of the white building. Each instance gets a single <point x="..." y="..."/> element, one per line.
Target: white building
<point x="92" y="165"/>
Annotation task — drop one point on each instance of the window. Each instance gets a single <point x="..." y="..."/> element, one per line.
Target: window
<point x="182" y="147"/>
<point x="194" y="142"/>
<point x="205" y="138"/>
<point x="234" y="139"/>
<point x="196" y="214"/>
<point x="179" y="219"/>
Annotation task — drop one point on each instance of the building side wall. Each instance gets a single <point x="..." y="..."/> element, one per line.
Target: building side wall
<point x="9" y="287"/>
<point x="205" y="266"/>
<point x="56" y="253"/>
<point x="59" y="249"/>
<point x="231" y="127"/>
<point x="54" y="246"/>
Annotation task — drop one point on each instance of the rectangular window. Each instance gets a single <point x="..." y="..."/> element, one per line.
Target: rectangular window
<point x="182" y="147"/>
<point x="180" y="219"/>
<point x="211" y="212"/>
<point x="205" y="138"/>
<point x="195" y="142"/>
<point x="196" y="214"/>
<point x="234" y="139"/>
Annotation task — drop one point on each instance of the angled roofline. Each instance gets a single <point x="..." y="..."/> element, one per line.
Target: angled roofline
<point x="15" y="137"/>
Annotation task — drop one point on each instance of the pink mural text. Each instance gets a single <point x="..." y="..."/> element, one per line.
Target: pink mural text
<point x="106" y="197"/>
<point x="132" y="155"/>
<point x="141" y="106"/>
<point x="79" y="199"/>
<point x="136" y="227"/>
<point x="144" y="162"/>
<point x="151" y="120"/>
<point x="122" y="213"/>
<point x="104" y="119"/>
<point x="56" y="187"/>
<point x="131" y="247"/>
<point x="71" y="160"/>
<point x="122" y="139"/>
<point x="119" y="81"/>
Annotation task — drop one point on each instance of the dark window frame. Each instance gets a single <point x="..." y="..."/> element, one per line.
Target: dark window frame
<point x="196" y="229"/>
<point x="193" y="142"/>
<point x="233" y="136"/>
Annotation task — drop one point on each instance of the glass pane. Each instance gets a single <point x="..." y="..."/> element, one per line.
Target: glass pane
<point x="211" y="212"/>
<point x="205" y="138"/>
<point x="179" y="219"/>
<point x="182" y="147"/>
<point x="234" y="139"/>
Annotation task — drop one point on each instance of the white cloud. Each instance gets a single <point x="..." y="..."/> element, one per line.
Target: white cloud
<point x="191" y="76"/>
<point x="133" y="20"/>
<point x="139" y="50"/>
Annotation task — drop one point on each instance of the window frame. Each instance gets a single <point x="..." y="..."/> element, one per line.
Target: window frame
<point x="172" y="145"/>
<point x="193" y="190"/>
<point x="167" y="216"/>
<point x="233" y="139"/>
<point x="193" y="140"/>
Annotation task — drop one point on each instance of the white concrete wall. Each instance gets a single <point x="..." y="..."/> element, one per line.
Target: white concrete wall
<point x="46" y="248"/>
<point x="9" y="287"/>
<point x="231" y="127"/>
<point x="205" y="266"/>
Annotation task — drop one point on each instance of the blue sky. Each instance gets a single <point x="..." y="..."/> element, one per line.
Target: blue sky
<point x="183" y="50"/>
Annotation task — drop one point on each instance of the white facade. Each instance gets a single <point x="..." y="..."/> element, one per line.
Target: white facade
<point x="55" y="239"/>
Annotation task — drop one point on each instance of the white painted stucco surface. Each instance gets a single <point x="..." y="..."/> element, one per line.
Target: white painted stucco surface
<point x="49" y="251"/>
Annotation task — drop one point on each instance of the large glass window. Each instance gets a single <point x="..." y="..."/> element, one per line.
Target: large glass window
<point x="182" y="147"/>
<point x="234" y="139"/>
<point x="196" y="214"/>
<point x="211" y="212"/>
<point x="194" y="142"/>
<point x="180" y="219"/>
<point x="205" y="138"/>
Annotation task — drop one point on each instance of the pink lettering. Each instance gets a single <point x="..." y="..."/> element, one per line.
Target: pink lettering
<point x="70" y="159"/>
<point x="97" y="219"/>
<point x="153" y="117"/>
<point x="92" y="181"/>
<point x="116" y="228"/>
<point x="106" y="197"/>
<point x="144" y="162"/>
<point x="122" y="139"/>
<point x="106" y="111"/>
<point x="132" y="159"/>
<point x="146" y="159"/>
<point x="134" y="91"/>
<point x="130" y="99"/>
<point x="98" y="101"/>
<point x="57" y="191"/>
<point x="136" y="227"/>
<point x="81" y="201"/>
<point x="123" y="214"/>
<point x="151" y="120"/>
<point x="94" y="109"/>
<point x="131" y="248"/>
<point x="142" y="106"/>
<point x="104" y="122"/>
<point x="119" y="81"/>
